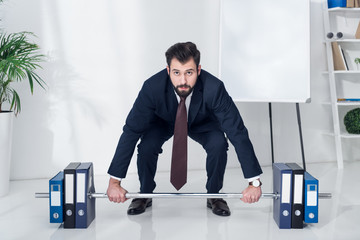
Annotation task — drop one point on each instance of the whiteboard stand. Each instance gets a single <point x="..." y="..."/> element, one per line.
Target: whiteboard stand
<point x="300" y="134"/>
<point x="271" y="134"/>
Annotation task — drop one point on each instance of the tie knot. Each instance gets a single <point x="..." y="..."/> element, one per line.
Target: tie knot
<point x="182" y="99"/>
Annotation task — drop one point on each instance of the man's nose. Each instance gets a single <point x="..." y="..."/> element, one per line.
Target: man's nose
<point x="183" y="79"/>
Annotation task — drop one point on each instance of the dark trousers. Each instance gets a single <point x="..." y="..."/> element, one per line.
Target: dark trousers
<point x="150" y="146"/>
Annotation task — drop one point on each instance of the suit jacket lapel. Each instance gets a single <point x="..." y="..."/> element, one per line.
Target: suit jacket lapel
<point x="196" y="101"/>
<point x="171" y="101"/>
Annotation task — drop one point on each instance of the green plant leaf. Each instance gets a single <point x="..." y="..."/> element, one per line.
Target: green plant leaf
<point x="19" y="59"/>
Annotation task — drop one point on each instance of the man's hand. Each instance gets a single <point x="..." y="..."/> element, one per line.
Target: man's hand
<point x="115" y="192"/>
<point x="251" y="194"/>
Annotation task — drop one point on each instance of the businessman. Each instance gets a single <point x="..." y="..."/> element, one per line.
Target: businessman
<point x="208" y="116"/>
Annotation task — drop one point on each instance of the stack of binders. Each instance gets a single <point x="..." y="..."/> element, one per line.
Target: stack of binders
<point x="69" y="196"/>
<point x="298" y="201"/>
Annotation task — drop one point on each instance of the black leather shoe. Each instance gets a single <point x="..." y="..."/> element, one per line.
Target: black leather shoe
<point x="138" y="205"/>
<point x="218" y="206"/>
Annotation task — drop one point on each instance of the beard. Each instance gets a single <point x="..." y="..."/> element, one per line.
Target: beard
<point x="183" y="93"/>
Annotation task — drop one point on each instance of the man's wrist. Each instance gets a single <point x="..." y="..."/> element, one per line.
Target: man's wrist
<point x="256" y="183"/>
<point x="114" y="181"/>
<point x="117" y="178"/>
<point x="253" y="178"/>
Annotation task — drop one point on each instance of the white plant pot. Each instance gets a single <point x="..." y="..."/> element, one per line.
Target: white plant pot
<point x="6" y="126"/>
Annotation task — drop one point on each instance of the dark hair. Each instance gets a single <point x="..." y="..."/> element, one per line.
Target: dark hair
<point x="183" y="52"/>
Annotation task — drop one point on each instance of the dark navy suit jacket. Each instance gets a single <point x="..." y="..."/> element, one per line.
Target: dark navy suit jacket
<point x="211" y="108"/>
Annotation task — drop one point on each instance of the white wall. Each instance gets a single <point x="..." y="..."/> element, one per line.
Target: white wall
<point x="100" y="52"/>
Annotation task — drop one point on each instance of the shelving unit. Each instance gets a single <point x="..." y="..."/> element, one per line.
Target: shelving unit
<point x="342" y="20"/>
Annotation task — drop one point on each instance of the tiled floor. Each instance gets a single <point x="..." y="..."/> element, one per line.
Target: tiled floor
<point x="24" y="217"/>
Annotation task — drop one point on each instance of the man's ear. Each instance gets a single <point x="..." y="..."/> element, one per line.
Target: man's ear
<point x="168" y="70"/>
<point x="199" y="69"/>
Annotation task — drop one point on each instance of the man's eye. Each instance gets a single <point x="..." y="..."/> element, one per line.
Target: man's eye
<point x="176" y="73"/>
<point x="189" y="73"/>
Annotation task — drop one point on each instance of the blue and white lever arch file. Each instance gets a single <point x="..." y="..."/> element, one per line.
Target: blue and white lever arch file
<point x="56" y="194"/>
<point x="311" y="189"/>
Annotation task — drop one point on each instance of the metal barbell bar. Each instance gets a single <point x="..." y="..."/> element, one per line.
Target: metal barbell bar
<point x="184" y="195"/>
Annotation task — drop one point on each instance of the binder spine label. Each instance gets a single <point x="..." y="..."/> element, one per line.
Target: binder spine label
<point x="55" y="198"/>
<point x="312" y="197"/>
<point x="298" y="189"/>
<point x="80" y="187"/>
<point x="69" y="190"/>
<point x="286" y="186"/>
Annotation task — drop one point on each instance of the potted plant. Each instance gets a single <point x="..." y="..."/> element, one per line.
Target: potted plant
<point x="357" y="61"/>
<point x="19" y="58"/>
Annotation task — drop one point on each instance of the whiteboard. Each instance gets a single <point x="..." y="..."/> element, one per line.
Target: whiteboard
<point x="265" y="50"/>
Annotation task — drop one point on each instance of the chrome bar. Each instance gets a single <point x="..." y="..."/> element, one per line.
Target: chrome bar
<point x="41" y="195"/>
<point x="185" y="195"/>
<point x="325" y="195"/>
